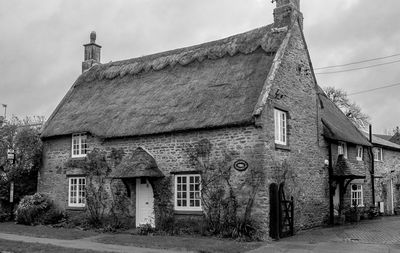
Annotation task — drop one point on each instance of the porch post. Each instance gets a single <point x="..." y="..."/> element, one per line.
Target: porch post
<point x="331" y="192"/>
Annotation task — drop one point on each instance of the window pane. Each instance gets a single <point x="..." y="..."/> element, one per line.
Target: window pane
<point x="276" y="118"/>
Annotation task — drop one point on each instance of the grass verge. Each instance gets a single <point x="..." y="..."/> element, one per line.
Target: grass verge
<point x="199" y="244"/>
<point x="44" y="231"/>
<point x="23" y="247"/>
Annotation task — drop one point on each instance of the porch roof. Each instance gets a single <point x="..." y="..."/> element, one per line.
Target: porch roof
<point x="345" y="169"/>
<point x="140" y="164"/>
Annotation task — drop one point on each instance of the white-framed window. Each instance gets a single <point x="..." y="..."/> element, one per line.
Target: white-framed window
<point x="342" y="149"/>
<point x="188" y="192"/>
<point x="280" y="118"/>
<point x="76" y="192"/>
<point x="360" y="152"/>
<point x="79" y="145"/>
<point x="378" y="154"/>
<point x="357" y="195"/>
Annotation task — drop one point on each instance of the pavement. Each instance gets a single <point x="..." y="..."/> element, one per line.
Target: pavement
<point x="381" y="235"/>
<point x="86" y="244"/>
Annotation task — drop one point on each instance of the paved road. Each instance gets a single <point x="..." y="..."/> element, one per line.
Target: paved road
<point x="381" y="236"/>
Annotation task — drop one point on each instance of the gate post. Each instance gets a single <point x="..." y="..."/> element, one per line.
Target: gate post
<point x="274" y="204"/>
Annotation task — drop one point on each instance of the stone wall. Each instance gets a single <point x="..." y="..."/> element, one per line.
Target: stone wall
<point x="169" y="150"/>
<point x="388" y="172"/>
<point x="303" y="170"/>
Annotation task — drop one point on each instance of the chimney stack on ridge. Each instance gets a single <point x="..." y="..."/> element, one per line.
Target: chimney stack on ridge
<point x="285" y="11"/>
<point x="92" y="53"/>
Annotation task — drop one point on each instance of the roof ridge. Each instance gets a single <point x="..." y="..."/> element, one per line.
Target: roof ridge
<point x="246" y="43"/>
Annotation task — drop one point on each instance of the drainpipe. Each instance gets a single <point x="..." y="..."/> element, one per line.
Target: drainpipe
<point x="330" y="172"/>
<point x="372" y="171"/>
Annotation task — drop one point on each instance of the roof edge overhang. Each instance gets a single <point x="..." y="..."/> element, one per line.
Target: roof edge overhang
<point x="366" y="142"/>
<point x="248" y="122"/>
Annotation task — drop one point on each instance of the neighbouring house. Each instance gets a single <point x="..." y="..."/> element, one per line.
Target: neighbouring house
<point x="387" y="173"/>
<point x="348" y="156"/>
<point x="396" y="137"/>
<point x="254" y="93"/>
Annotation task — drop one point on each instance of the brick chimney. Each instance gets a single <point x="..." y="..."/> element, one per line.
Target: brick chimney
<point x="286" y="11"/>
<point x="92" y="53"/>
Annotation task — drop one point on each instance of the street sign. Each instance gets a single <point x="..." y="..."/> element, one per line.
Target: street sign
<point x="10" y="154"/>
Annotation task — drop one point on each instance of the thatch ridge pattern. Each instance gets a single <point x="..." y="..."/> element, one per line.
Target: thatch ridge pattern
<point x="244" y="43"/>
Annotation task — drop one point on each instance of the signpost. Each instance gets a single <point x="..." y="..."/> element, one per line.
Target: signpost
<point x="12" y="192"/>
<point x="11" y="158"/>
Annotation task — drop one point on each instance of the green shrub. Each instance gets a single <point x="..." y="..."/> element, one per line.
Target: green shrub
<point x="37" y="209"/>
<point x="145" y="229"/>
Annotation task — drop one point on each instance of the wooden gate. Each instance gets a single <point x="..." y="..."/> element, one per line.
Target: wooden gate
<point x="281" y="213"/>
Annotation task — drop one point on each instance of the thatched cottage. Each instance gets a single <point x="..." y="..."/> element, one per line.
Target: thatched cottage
<point x="349" y="158"/>
<point x="254" y="94"/>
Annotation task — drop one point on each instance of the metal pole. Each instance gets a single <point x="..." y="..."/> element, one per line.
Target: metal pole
<point x="331" y="192"/>
<point x="372" y="171"/>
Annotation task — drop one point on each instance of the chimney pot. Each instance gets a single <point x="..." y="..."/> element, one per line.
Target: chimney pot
<point x="93" y="37"/>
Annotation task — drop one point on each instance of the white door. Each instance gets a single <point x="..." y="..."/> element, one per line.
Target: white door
<point x="144" y="202"/>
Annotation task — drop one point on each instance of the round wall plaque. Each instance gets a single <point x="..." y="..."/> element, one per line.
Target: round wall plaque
<point x="240" y="165"/>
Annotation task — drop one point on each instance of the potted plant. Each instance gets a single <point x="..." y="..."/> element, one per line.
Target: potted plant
<point x="338" y="219"/>
<point x="354" y="214"/>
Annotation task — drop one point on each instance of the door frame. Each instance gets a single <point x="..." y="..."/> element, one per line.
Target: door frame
<point x="151" y="216"/>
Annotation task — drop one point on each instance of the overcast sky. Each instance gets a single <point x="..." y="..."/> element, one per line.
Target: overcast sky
<point x="41" y="43"/>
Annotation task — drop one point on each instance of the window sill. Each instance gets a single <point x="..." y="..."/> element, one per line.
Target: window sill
<point x="78" y="157"/>
<point x="75" y="208"/>
<point x="188" y="212"/>
<point x="283" y="147"/>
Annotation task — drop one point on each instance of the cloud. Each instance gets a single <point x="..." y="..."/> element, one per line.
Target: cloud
<point x="41" y="43"/>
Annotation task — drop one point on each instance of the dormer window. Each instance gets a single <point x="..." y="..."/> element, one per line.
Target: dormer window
<point x="79" y="145"/>
<point x="342" y="149"/>
<point x="360" y="152"/>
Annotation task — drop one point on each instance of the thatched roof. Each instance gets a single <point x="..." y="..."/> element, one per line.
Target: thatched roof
<point x="209" y="85"/>
<point x="336" y="125"/>
<point x="345" y="169"/>
<point x="140" y="164"/>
